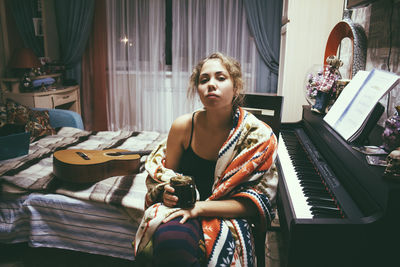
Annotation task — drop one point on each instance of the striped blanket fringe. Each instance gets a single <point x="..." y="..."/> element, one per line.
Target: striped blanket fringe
<point x="243" y="169"/>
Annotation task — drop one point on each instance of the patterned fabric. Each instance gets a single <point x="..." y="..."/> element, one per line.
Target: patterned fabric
<point x="39" y="124"/>
<point x="184" y="249"/>
<point x="36" y="122"/>
<point x="331" y="75"/>
<point x="17" y="113"/>
<point x="243" y="165"/>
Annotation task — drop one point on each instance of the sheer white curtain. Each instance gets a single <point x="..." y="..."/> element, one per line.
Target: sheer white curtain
<point x="143" y="95"/>
<point x="136" y="65"/>
<point x="201" y="27"/>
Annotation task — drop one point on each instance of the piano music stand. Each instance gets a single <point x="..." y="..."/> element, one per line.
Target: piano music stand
<point x="363" y="138"/>
<point x="267" y="108"/>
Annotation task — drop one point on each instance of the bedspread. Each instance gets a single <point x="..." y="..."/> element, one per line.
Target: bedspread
<point x="101" y="219"/>
<point x="34" y="172"/>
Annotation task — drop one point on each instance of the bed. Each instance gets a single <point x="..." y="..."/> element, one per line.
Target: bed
<point x="99" y="218"/>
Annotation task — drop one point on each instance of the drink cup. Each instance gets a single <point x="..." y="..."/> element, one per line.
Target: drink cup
<point x="185" y="190"/>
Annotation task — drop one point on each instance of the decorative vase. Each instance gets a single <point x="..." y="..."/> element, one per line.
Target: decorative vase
<point x="391" y="134"/>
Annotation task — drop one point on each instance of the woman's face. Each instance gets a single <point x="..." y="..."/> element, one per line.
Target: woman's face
<point x="215" y="85"/>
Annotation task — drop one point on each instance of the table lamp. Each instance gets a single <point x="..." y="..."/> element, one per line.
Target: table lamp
<point x="23" y="61"/>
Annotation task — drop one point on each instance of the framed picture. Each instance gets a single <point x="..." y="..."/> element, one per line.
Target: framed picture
<point x="38" y="25"/>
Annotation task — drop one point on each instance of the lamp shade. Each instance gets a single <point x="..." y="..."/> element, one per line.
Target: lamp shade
<point x="24" y="58"/>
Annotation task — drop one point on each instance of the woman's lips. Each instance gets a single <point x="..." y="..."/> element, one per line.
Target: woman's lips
<point x="211" y="96"/>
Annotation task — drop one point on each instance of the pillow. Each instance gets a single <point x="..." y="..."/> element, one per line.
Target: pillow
<point x="17" y="113"/>
<point x="3" y="115"/>
<point x="37" y="122"/>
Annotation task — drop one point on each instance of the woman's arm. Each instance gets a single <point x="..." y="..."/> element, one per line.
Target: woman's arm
<point x="177" y="138"/>
<point x="228" y="208"/>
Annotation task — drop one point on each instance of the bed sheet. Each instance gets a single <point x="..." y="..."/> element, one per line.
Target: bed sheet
<point x="63" y="222"/>
<point x="58" y="221"/>
<point x="14" y="221"/>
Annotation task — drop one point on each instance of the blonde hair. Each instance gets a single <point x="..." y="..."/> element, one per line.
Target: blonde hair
<point x="232" y="66"/>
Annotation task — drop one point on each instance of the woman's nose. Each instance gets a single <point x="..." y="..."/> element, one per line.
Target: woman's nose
<point x="211" y="83"/>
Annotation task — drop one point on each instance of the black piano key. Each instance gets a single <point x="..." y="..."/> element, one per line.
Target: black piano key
<point x="315" y="187"/>
<point x="326" y="199"/>
<point x="322" y="203"/>
<point x="324" y="209"/>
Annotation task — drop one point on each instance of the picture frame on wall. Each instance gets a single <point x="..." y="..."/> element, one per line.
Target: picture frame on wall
<point x="38" y="26"/>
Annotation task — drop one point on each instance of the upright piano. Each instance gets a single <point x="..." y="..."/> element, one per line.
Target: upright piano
<point x="334" y="208"/>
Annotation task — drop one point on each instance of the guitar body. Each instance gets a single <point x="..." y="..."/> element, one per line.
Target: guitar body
<point x="87" y="166"/>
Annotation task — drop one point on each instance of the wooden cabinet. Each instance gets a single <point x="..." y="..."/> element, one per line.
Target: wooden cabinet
<point x="63" y="98"/>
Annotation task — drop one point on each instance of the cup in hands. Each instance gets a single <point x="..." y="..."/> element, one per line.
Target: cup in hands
<point x="185" y="190"/>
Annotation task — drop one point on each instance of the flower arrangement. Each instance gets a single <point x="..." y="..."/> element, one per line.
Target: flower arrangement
<point x="314" y="81"/>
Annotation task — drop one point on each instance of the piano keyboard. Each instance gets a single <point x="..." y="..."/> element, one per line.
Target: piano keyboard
<point x="308" y="192"/>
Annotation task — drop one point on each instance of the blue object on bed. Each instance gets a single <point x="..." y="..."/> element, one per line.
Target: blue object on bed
<point x="64" y="118"/>
<point x="14" y="145"/>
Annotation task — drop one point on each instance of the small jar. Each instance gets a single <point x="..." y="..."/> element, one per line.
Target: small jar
<point x="391" y="134"/>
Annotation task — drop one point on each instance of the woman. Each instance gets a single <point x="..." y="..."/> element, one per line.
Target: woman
<point x="227" y="151"/>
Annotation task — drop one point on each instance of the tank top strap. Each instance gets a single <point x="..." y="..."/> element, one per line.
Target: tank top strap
<point x="191" y="131"/>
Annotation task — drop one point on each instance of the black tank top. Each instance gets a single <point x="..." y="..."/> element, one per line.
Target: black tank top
<point x="202" y="170"/>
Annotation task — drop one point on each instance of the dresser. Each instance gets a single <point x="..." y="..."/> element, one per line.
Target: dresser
<point x="67" y="97"/>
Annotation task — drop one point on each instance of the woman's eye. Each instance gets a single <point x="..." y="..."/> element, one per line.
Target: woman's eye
<point x="202" y="81"/>
<point x="221" y="78"/>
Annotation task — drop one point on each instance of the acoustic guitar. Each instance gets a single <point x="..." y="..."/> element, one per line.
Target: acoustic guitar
<point x="87" y="166"/>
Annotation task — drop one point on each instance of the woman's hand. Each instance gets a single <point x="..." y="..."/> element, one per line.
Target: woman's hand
<point x="185" y="213"/>
<point x="169" y="199"/>
<point x="226" y="208"/>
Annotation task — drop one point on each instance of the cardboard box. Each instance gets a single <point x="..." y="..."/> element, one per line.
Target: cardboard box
<point x="14" y="145"/>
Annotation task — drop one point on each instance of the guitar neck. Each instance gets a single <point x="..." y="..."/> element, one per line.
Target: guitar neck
<point x="140" y="153"/>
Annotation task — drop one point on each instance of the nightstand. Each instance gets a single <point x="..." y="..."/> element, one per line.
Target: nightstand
<point x="67" y="97"/>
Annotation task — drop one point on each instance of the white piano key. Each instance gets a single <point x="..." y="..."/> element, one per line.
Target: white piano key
<point x="296" y="196"/>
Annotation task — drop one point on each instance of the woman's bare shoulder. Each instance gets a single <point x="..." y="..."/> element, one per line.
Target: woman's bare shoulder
<point x="180" y="129"/>
<point x="177" y="140"/>
<point x="182" y="123"/>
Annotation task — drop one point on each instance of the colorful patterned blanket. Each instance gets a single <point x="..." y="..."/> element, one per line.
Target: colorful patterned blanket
<point x="243" y="170"/>
<point x="34" y="171"/>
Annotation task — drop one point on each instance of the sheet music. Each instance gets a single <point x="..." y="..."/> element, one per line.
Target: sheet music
<point x="352" y="109"/>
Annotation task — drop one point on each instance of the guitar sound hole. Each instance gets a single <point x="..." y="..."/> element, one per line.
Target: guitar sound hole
<point x="83" y="155"/>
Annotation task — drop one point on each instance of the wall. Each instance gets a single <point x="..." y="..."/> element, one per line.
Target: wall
<point x="303" y="40"/>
